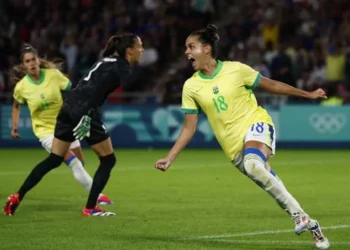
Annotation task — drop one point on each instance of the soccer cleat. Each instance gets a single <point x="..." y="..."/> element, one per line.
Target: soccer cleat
<point x="320" y="240"/>
<point x="104" y="200"/>
<point x="301" y="221"/>
<point x="97" y="211"/>
<point x="11" y="204"/>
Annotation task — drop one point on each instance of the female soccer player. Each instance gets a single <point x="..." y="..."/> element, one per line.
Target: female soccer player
<point x="39" y="84"/>
<point x="81" y="111"/>
<point x="245" y="131"/>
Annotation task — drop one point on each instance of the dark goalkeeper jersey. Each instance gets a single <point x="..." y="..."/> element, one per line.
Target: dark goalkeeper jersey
<point x="93" y="89"/>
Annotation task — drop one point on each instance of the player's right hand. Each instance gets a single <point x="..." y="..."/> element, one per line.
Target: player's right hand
<point x="318" y="94"/>
<point x="15" y="134"/>
<point x="162" y="164"/>
<point x="83" y="128"/>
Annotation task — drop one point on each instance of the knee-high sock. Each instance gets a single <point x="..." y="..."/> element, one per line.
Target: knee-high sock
<point x="253" y="164"/>
<point x="79" y="172"/>
<point x="100" y="179"/>
<point x="40" y="170"/>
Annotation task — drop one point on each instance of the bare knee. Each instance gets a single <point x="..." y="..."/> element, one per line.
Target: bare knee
<point x="78" y="152"/>
<point x="103" y="148"/>
<point x="60" y="147"/>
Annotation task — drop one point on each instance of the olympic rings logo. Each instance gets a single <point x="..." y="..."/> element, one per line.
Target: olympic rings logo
<point x="327" y="122"/>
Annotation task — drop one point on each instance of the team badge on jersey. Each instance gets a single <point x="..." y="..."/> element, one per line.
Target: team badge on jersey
<point x="42" y="96"/>
<point x="215" y="90"/>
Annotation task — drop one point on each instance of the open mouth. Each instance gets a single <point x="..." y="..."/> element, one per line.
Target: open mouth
<point x="192" y="60"/>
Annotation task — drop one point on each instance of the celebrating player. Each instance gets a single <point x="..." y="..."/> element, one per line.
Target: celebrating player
<point x="81" y="112"/>
<point x="39" y="84"/>
<point x="245" y="131"/>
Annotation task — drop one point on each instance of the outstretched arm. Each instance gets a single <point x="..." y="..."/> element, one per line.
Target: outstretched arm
<point x="187" y="132"/>
<point x="280" y="88"/>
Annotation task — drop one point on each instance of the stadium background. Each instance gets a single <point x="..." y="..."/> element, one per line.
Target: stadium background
<point x="202" y="202"/>
<point x="305" y="43"/>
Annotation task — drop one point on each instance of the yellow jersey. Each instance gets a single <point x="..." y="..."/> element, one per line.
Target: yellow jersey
<point x="44" y="99"/>
<point x="227" y="99"/>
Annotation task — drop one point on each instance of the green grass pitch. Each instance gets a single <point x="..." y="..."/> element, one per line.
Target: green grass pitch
<point x="202" y="202"/>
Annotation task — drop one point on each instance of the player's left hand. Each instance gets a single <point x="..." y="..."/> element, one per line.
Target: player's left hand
<point x="162" y="164"/>
<point x="83" y="128"/>
<point x="317" y="94"/>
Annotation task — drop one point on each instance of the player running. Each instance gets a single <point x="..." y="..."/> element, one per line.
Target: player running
<point x="81" y="112"/>
<point x="39" y="84"/>
<point x="245" y="131"/>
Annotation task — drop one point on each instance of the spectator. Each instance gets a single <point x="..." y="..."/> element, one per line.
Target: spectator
<point x="281" y="67"/>
<point x="251" y="32"/>
<point x="70" y="50"/>
<point x="150" y="54"/>
<point x="270" y="53"/>
<point x="318" y="75"/>
<point x="335" y="64"/>
<point x="270" y="31"/>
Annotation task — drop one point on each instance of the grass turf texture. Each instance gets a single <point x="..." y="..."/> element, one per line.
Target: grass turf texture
<point x="200" y="195"/>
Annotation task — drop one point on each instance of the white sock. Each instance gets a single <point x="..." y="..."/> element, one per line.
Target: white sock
<point x="291" y="198"/>
<point x="254" y="168"/>
<point x="79" y="172"/>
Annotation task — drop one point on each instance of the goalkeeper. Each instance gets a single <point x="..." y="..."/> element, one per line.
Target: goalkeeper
<point x="79" y="117"/>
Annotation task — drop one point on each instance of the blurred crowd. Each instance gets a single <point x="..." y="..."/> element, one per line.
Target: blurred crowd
<point x="304" y="43"/>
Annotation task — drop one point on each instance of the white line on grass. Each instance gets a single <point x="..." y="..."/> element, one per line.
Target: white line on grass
<point x="272" y="242"/>
<point x="257" y="233"/>
<point x="190" y="166"/>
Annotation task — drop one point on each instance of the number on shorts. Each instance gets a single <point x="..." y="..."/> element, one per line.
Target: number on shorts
<point x="259" y="127"/>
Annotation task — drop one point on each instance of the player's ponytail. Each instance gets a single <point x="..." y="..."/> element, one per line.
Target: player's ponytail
<point x="19" y="71"/>
<point x="111" y="45"/>
<point x="117" y="45"/>
<point x="208" y="35"/>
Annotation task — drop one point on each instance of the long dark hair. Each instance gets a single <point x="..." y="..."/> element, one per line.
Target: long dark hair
<point x="117" y="45"/>
<point x="208" y="35"/>
<point x="19" y="71"/>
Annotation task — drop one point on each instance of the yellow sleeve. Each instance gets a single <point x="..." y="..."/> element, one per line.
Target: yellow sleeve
<point x="189" y="105"/>
<point x="17" y="94"/>
<point x="63" y="81"/>
<point x="251" y="77"/>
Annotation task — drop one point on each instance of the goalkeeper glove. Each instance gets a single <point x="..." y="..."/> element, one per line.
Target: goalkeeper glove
<point x="83" y="128"/>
